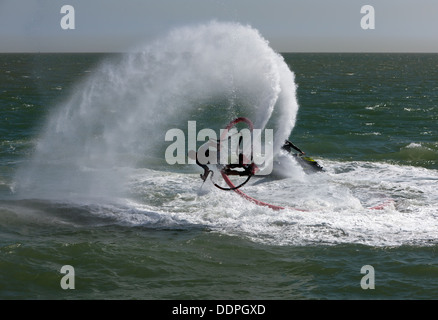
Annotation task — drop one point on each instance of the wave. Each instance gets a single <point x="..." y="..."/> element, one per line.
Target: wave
<point x="116" y="120"/>
<point x="337" y="206"/>
<point x="100" y="158"/>
<point x="421" y="154"/>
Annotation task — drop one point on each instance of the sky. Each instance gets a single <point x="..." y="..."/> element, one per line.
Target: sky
<point x="288" y="25"/>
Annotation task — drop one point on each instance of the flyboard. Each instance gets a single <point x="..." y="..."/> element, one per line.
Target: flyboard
<point x="227" y="179"/>
<point x="309" y="165"/>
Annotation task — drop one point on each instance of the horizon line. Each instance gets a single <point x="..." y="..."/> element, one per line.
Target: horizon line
<point x="280" y="52"/>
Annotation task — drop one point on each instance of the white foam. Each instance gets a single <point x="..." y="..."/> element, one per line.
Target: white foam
<point x="93" y="142"/>
<point x="338" y="204"/>
<point x="121" y="113"/>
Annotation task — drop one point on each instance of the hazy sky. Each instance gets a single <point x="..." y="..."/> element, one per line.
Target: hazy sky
<point x="289" y="25"/>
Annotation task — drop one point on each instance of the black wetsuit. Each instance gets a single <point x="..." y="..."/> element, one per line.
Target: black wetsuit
<point x="288" y="146"/>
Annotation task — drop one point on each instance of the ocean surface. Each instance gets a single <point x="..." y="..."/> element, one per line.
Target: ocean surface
<point x="84" y="181"/>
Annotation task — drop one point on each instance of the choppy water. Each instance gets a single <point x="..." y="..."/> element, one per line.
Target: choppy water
<point x="83" y="180"/>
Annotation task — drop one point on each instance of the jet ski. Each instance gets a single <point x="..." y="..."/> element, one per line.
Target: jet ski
<point x="308" y="164"/>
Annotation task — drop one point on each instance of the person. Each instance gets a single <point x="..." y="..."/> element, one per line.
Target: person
<point x="309" y="165"/>
<point x="194" y="155"/>
<point x="288" y="146"/>
<point x="249" y="169"/>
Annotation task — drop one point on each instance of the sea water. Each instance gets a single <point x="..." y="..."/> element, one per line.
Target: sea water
<point x="84" y="181"/>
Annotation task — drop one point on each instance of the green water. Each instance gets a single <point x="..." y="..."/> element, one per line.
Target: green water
<point x="364" y="116"/>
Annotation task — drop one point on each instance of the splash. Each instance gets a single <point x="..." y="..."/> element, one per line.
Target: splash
<point x="116" y="120"/>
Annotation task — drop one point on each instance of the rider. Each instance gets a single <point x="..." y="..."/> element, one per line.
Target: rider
<point x="288" y="146"/>
<point x="193" y="155"/>
<point x="249" y="169"/>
